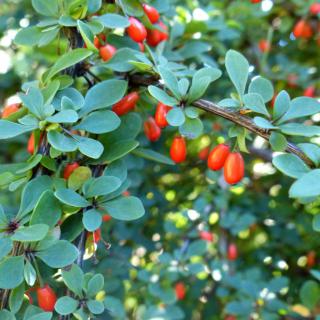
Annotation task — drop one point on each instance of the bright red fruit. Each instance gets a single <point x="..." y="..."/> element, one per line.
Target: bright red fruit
<point x="234" y="168"/>
<point x="136" y="31"/>
<point x="161" y="113"/>
<point x="204" y="153"/>
<point x="309" y="92"/>
<point x="232" y="253"/>
<point x="151" y="129"/>
<point x="164" y="33"/>
<point x="206" y="235"/>
<point x="69" y="169"/>
<point x="302" y="29"/>
<point x="99" y="40"/>
<point x="126" y="104"/>
<point x="31" y="143"/>
<point x="10" y="109"/>
<point x="180" y="290"/>
<point x="264" y="45"/>
<point x="151" y="12"/>
<point x="46" y="298"/>
<point x="218" y="156"/>
<point x="315" y="8"/>
<point x="178" y="150"/>
<point x="154" y="37"/>
<point x="107" y="51"/>
<point x="97" y="236"/>
<point x="311" y="259"/>
<point x="106" y="218"/>
<point x="256" y="1"/>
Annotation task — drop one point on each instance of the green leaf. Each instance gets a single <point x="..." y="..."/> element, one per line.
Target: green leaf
<point x="278" y="141"/>
<point x="95" y="306"/>
<point x="196" y="248"/>
<point x="90" y="147"/>
<point x="87" y="35"/>
<point x="48" y="36"/>
<point x="176" y="117"/>
<point x="32" y="233"/>
<point x="34" y="101"/>
<point x="191" y="128"/>
<point x="254" y="102"/>
<point x="104" y="94"/>
<point x="11" y="272"/>
<point x="263" y="123"/>
<point x="95" y="284"/>
<point x="59" y="255"/>
<point x="71" y="198"/>
<point x="263" y="87"/>
<point x="78" y="177"/>
<point x="291" y="165"/>
<point x="112" y="20"/>
<point x="46" y="8"/>
<point x="32" y="192"/>
<point x="73" y="279"/>
<point x="301" y="107"/>
<point x="16" y="298"/>
<point x="117" y="169"/>
<point x="126" y="209"/>
<point x="309" y="294"/>
<point x="281" y="104"/>
<point x="132" y="7"/>
<point x="299" y="129"/>
<point x="66" y="305"/>
<point x="311" y="150"/>
<point x="99" y="122"/>
<point x="307" y="186"/>
<point x="238" y="70"/>
<point x="170" y="81"/>
<point x="316" y="223"/>
<point x="92" y="220"/>
<point x="183" y="86"/>
<point x="10" y="129"/>
<point x="67" y="60"/>
<point x="5" y="247"/>
<point x="64" y="116"/>
<point x="47" y="210"/>
<point x="29" y="36"/>
<point x="29" y="273"/>
<point x="162" y="96"/>
<point x="6" y="315"/>
<point x="121" y="61"/>
<point x="119" y="149"/>
<point x="114" y="306"/>
<point x="102" y="186"/>
<point x="153" y="156"/>
<point x="62" y="142"/>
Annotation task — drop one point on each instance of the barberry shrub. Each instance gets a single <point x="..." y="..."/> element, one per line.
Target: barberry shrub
<point x="159" y="159"/>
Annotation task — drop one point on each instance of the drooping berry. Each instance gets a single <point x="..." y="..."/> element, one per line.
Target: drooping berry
<point x="206" y="235"/>
<point x="232" y="253"/>
<point x="302" y="29"/>
<point x="315" y="8"/>
<point x="70" y="167"/>
<point x="178" y="150"/>
<point x="218" y="156"/>
<point x="234" y="168"/>
<point x="126" y="104"/>
<point x="180" y="290"/>
<point x="10" y="109"/>
<point x="309" y="92"/>
<point x="107" y="51"/>
<point x="136" y="31"/>
<point x="151" y="129"/>
<point x="204" y="153"/>
<point x="46" y="298"/>
<point x="161" y="113"/>
<point x="151" y="12"/>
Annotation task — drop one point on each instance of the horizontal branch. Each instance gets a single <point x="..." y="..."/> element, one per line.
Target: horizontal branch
<point x="228" y="114"/>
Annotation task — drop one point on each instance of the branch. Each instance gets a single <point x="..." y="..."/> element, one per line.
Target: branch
<point x="228" y="114"/>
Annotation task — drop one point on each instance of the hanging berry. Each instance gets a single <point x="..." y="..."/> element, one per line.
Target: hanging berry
<point x="10" y="109"/>
<point x="46" y="298"/>
<point x="178" y="150"/>
<point x="161" y="113"/>
<point x="232" y="253"/>
<point x="126" y="104"/>
<point x="206" y="236"/>
<point x="218" y="156"/>
<point x="107" y="51"/>
<point x="151" y="129"/>
<point x="136" y="31"/>
<point x="69" y="169"/>
<point x="302" y="29"/>
<point x="180" y="290"/>
<point x="234" y="168"/>
<point x="151" y="12"/>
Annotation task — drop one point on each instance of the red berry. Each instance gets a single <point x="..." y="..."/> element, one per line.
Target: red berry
<point x="126" y="193"/>
<point x="154" y="37"/>
<point x="69" y="169"/>
<point x="107" y="52"/>
<point x="309" y="92"/>
<point x="180" y="290"/>
<point x="99" y="40"/>
<point x="126" y="104"/>
<point x="256" y="1"/>
<point x="218" y="156"/>
<point x="204" y="153"/>
<point x="10" y="109"/>
<point x="31" y="143"/>
<point x="97" y="236"/>
<point x="232" y="252"/>
<point x="234" y="168"/>
<point x="141" y="46"/>
<point x="311" y="259"/>
<point x="206" y="235"/>
<point x="264" y="45"/>
<point x="46" y="298"/>
<point x="136" y="31"/>
<point x="164" y="33"/>
<point x="161" y="113"/>
<point x="151" y="129"/>
<point x="315" y="8"/>
<point x="302" y="29"/>
<point x="151" y="12"/>
<point x="106" y="218"/>
<point x="178" y="150"/>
